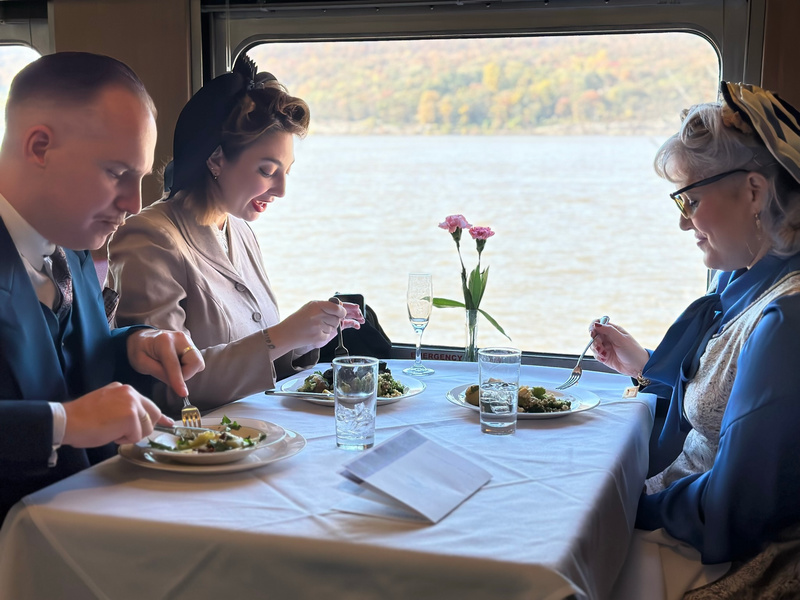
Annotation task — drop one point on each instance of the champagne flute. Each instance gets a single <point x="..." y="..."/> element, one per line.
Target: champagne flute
<point x="419" y="300"/>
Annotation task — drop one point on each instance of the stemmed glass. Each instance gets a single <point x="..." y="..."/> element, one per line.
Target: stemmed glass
<point x="419" y="300"/>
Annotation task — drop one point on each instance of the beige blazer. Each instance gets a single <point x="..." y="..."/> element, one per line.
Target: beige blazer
<point x="173" y="273"/>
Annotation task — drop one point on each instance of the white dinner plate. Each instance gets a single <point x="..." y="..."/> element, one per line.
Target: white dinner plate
<point x="411" y="386"/>
<point x="274" y="433"/>
<point x="580" y="400"/>
<point x="291" y="443"/>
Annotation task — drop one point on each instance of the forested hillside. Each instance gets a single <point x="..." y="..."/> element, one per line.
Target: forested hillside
<point x="574" y="84"/>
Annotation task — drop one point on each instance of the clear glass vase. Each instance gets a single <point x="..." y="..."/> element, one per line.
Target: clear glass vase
<point x="471" y="349"/>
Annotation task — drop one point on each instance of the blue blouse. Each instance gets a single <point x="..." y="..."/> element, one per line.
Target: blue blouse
<point x="752" y="492"/>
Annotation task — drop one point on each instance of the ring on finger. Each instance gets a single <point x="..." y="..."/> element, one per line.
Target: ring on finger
<point x="145" y="418"/>
<point x="186" y="350"/>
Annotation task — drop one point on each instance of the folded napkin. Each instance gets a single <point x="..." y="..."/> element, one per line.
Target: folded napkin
<point x="409" y="477"/>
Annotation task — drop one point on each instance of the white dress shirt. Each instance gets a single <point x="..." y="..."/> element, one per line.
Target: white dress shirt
<point x="35" y="250"/>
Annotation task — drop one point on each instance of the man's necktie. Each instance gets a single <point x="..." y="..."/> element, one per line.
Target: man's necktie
<point x="111" y="301"/>
<point x="63" y="281"/>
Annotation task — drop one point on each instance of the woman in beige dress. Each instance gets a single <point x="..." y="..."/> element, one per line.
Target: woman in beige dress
<point x="190" y="262"/>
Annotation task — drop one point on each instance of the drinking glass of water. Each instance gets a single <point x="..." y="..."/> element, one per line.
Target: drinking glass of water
<point x="355" y="395"/>
<point x="419" y="300"/>
<point x="498" y="376"/>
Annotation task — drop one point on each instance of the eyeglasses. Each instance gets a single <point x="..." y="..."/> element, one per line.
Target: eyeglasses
<point x="682" y="200"/>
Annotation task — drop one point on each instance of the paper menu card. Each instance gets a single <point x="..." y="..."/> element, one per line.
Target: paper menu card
<point x="410" y="476"/>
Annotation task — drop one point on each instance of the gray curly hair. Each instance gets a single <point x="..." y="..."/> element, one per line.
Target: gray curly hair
<point x="710" y="141"/>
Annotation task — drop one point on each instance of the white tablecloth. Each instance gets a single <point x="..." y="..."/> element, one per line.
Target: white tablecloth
<point x="555" y="519"/>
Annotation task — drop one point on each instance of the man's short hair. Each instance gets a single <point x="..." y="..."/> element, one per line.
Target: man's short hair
<point x="73" y="78"/>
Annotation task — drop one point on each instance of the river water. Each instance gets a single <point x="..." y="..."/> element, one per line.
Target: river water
<point x="583" y="228"/>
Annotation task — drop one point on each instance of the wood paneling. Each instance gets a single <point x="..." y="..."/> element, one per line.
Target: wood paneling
<point x="153" y="37"/>
<point x="781" y="68"/>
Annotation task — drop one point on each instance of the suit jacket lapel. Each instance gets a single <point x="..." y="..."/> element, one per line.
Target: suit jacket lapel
<point x="245" y="251"/>
<point x="204" y="242"/>
<point x="89" y="321"/>
<point x="23" y="329"/>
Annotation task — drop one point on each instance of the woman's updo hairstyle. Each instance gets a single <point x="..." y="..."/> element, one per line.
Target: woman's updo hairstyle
<point x="714" y="138"/>
<point x="267" y="108"/>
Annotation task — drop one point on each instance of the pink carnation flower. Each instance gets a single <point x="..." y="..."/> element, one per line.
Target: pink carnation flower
<point x="454" y="222"/>
<point x="480" y="233"/>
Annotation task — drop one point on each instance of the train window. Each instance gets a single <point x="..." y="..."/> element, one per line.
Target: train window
<point x="12" y="59"/>
<point x="547" y="140"/>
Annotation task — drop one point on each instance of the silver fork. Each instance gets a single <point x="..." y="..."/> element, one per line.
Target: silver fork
<point x="340" y="349"/>
<point x="577" y="371"/>
<point x="190" y="414"/>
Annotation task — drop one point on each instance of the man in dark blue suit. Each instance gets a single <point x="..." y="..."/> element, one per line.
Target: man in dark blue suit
<point x="80" y="136"/>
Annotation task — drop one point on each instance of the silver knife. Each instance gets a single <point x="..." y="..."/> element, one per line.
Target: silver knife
<point x="319" y="396"/>
<point x="176" y="429"/>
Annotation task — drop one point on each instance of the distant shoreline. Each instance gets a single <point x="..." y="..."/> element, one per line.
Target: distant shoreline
<point x="658" y="129"/>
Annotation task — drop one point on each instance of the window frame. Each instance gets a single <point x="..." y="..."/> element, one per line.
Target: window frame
<point x="220" y="32"/>
<point x="26" y="24"/>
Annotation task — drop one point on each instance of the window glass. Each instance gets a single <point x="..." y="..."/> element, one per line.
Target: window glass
<point x="547" y="140"/>
<point x="12" y="60"/>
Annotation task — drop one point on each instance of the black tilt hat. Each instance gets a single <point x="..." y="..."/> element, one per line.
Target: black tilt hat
<point x="199" y="129"/>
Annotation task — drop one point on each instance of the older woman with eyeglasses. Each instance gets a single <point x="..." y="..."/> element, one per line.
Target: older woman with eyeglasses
<point x="724" y="476"/>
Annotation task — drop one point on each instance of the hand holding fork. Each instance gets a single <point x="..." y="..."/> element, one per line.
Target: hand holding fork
<point x="190" y="414"/>
<point x="340" y="349"/>
<point x="577" y="372"/>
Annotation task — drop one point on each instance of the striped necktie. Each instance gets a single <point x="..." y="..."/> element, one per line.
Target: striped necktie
<point x="63" y="281"/>
<point x="111" y="301"/>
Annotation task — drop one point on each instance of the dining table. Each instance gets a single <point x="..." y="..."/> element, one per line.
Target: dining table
<point x="553" y="522"/>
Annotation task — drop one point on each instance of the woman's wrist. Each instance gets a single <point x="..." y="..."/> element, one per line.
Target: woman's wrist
<point x="638" y="374"/>
<point x="637" y="366"/>
<point x="275" y="340"/>
<point x="268" y="338"/>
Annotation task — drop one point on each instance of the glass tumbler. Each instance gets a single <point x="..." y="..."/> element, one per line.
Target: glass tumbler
<point x="498" y="370"/>
<point x="355" y="393"/>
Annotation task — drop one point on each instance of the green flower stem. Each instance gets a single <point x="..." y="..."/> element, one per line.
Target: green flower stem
<point x="471" y="348"/>
<point x="447" y="303"/>
<point x="464" y="285"/>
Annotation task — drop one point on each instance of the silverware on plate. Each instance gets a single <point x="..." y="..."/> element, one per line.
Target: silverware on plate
<point x="190" y="414"/>
<point x="177" y="429"/>
<point x="318" y="395"/>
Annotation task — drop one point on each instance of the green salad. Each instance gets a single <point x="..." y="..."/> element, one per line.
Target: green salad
<point x="321" y="382"/>
<point x="211" y="440"/>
